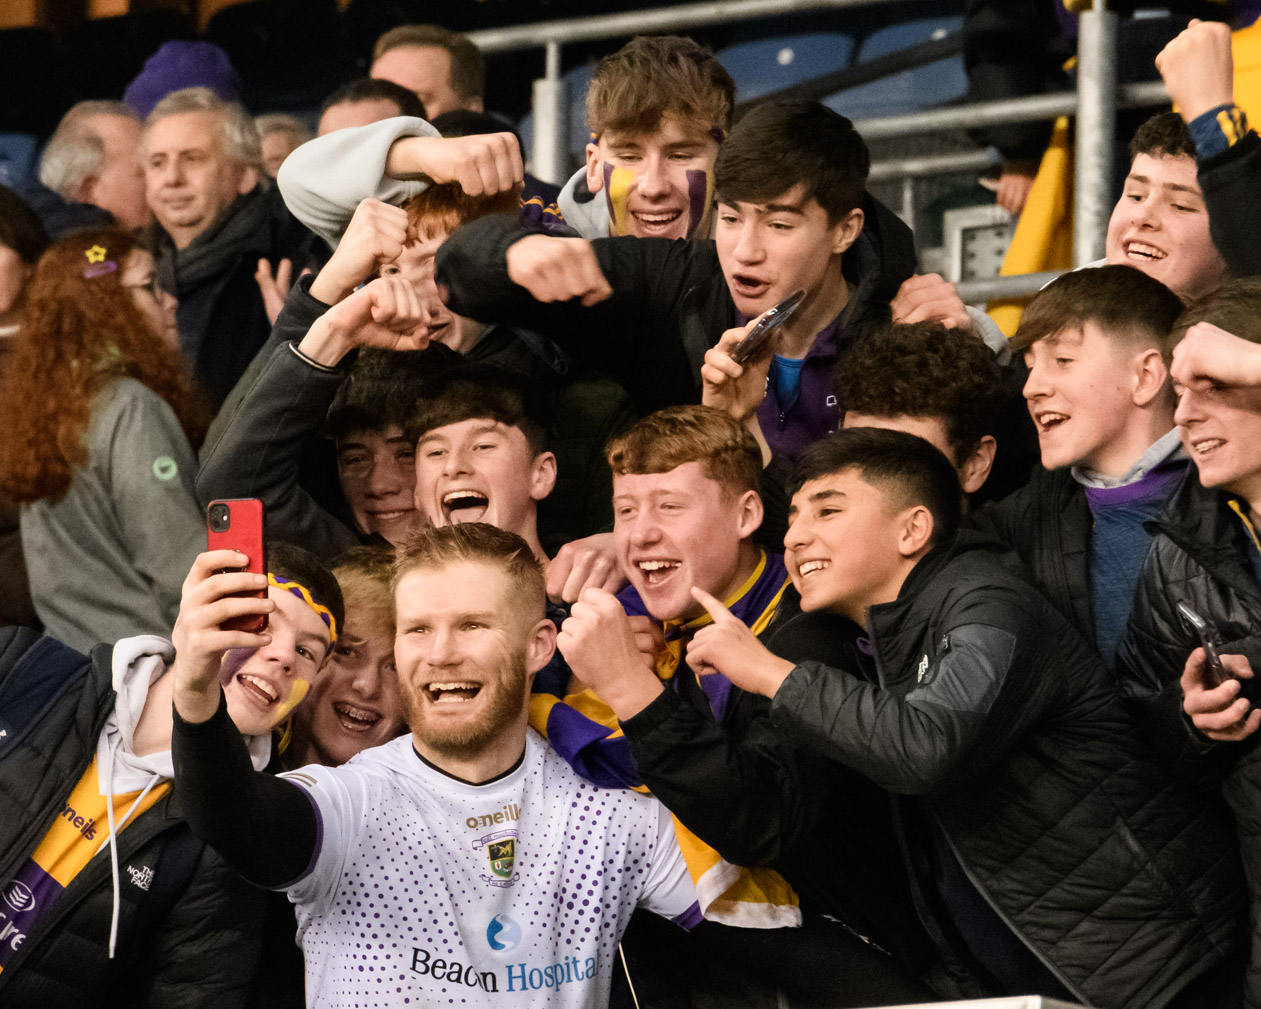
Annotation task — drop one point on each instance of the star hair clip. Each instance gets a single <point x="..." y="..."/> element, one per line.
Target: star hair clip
<point x="98" y="265"/>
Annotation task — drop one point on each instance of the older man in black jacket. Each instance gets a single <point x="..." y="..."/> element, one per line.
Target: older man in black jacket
<point x="214" y="221"/>
<point x="1051" y="852"/>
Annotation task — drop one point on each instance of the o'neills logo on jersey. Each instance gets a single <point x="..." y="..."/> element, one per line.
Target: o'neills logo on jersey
<point x="501" y="850"/>
<point x="85" y="827"/>
<point x="510" y="813"/>
<point x="521" y="976"/>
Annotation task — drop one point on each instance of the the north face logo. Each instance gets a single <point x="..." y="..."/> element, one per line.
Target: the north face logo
<point x="142" y="877"/>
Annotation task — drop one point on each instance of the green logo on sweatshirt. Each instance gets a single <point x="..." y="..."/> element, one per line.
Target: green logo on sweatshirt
<point x="165" y="468"/>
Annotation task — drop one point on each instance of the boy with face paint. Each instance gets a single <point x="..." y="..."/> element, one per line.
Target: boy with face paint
<point x="88" y="766"/>
<point x="793" y="215"/>
<point x="471" y="814"/>
<point x="658" y="110"/>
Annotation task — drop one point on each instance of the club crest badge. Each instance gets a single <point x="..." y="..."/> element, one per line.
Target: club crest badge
<point x="501" y="852"/>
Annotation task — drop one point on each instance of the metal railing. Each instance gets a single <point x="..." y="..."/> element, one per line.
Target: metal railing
<point x="1094" y="104"/>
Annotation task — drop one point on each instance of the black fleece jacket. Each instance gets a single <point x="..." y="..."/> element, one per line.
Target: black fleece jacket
<point x="670" y="301"/>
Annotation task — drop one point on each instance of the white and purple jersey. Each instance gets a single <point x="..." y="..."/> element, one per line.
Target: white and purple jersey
<point x="426" y="890"/>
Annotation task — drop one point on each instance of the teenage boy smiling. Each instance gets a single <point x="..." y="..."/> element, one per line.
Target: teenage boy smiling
<point x="686" y="508"/>
<point x="1099" y="394"/>
<point x="1205" y="553"/>
<point x="1033" y="819"/>
<point x="793" y="214"/>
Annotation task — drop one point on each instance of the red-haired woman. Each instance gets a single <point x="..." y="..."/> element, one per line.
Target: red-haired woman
<point x="97" y="414"/>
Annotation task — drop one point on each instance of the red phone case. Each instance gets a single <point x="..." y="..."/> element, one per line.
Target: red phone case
<point x="244" y="533"/>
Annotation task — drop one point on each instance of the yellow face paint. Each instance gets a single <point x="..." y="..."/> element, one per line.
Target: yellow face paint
<point x="297" y="692"/>
<point x="617" y="186"/>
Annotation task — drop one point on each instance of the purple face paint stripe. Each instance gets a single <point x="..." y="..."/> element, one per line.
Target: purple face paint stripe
<point x="607" y="169"/>
<point x="697" y="196"/>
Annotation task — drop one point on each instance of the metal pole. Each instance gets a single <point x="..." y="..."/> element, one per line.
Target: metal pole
<point x="649" y="22"/>
<point x="963" y="163"/>
<point x="977" y="292"/>
<point x="1096" y="130"/>
<point x="550" y="101"/>
<point x="908" y="201"/>
<point x="1007" y="110"/>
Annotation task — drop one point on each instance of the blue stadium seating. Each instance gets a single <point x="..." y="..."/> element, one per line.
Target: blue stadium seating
<point x="921" y="87"/>
<point x="765" y="65"/>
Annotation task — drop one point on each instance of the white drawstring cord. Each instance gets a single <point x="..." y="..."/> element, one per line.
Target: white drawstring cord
<point x="112" y="840"/>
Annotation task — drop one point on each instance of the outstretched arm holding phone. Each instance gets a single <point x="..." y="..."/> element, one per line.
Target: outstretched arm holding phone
<point x="263" y="826"/>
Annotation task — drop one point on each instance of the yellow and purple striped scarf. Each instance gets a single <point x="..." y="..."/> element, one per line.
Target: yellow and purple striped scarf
<point x="585" y="731"/>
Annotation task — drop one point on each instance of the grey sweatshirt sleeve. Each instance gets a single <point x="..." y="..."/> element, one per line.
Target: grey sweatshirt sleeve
<point x="151" y="470"/>
<point x="325" y="179"/>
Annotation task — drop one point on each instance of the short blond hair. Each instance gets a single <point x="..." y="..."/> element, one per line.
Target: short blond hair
<point x="728" y="454"/>
<point x="365" y="575"/>
<point x="441" y="546"/>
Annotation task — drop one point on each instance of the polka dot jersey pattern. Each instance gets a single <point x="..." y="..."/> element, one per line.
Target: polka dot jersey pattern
<point x="426" y="890"/>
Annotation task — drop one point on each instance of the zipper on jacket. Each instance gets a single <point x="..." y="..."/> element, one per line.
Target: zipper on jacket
<point x="1055" y="971"/>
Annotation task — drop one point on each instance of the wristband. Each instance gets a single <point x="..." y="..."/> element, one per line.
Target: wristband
<point x="1217" y="130"/>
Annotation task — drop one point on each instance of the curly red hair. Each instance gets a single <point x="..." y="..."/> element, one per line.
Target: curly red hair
<point x="82" y="330"/>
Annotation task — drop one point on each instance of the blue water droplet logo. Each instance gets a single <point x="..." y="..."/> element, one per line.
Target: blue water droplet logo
<point x="503" y="934"/>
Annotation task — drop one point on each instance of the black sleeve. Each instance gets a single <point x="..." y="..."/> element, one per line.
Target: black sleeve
<point x="264" y="827"/>
<point x="1231" y="182"/>
<point x="299" y="312"/>
<point x="256" y="449"/>
<point x="744" y="797"/>
<point x="635" y="336"/>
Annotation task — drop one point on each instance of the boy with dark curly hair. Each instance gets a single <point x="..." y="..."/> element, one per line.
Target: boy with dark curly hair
<point x="938" y="383"/>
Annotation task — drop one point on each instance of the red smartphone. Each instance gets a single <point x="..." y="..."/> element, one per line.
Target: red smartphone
<point x="237" y="524"/>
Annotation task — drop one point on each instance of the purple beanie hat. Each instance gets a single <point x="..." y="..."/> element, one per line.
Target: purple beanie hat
<point x="178" y="65"/>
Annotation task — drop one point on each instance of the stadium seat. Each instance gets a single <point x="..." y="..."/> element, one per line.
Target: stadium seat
<point x="765" y="65"/>
<point x="917" y="88"/>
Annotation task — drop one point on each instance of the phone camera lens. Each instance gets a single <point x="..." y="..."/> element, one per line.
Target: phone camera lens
<point x="220" y="518"/>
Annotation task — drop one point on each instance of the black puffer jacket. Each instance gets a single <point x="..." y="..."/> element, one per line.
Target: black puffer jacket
<point x="998" y="717"/>
<point x="189" y="939"/>
<point x="1047" y="523"/>
<point x="1199" y="557"/>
